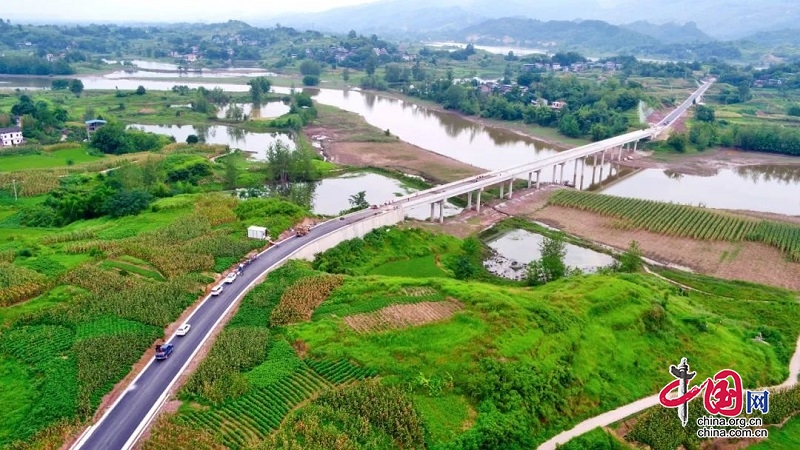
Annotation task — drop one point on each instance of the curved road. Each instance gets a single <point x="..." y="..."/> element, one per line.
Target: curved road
<point x="122" y="424"/>
<point x="124" y="421"/>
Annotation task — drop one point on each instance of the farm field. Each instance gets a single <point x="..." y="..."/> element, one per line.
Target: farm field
<point x="685" y="221"/>
<point x="567" y="335"/>
<point x="57" y="158"/>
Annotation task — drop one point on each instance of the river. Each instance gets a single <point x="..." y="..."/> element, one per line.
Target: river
<point x="494" y="148"/>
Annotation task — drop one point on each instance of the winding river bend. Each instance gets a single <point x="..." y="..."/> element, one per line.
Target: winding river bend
<point x="766" y="188"/>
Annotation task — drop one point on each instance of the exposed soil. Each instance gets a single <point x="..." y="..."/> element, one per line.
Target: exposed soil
<point x="746" y="261"/>
<point x="708" y="163"/>
<point x="402" y="316"/>
<point x="394" y="155"/>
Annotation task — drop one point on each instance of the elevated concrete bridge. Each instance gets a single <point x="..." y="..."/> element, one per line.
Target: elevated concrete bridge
<point x="608" y="149"/>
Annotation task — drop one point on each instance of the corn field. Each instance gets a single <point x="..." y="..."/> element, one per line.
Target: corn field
<point x="299" y="300"/>
<point x="684" y="221"/>
<point x="20" y="283"/>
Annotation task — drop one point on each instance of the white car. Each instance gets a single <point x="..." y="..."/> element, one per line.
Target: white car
<point x="230" y="278"/>
<point x="183" y="329"/>
<point x="216" y="290"/>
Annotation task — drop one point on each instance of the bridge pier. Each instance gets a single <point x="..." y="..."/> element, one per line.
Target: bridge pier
<point x="469" y="201"/>
<point x="554" y="173"/>
<point x="619" y="154"/>
<point x="561" y="178"/>
<point x="433" y="216"/>
<point x="478" y="201"/>
<point x="502" y="189"/>
<point x="594" y="168"/>
<point x="510" y="187"/>
<point x="538" y="176"/>
<point x="575" y="173"/>
<point x="530" y="178"/>
<point x="634" y="145"/>
<point x="583" y="168"/>
<point x="441" y="211"/>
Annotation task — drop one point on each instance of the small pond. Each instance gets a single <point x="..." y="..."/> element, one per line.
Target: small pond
<point x="517" y="248"/>
<point x="265" y="111"/>
<point x="256" y="144"/>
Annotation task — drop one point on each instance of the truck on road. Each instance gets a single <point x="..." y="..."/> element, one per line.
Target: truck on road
<point x="163" y="350"/>
<point x="302" y="230"/>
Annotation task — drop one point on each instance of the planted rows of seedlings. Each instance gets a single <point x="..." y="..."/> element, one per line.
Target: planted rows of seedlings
<point x="253" y="416"/>
<point x="341" y="371"/>
<point x="684" y="221"/>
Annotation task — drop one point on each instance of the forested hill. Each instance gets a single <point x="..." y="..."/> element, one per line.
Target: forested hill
<point x="600" y="36"/>
<point x="670" y="33"/>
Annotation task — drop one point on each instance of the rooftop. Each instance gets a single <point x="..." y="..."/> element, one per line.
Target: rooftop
<point x="89" y="122"/>
<point x="10" y="130"/>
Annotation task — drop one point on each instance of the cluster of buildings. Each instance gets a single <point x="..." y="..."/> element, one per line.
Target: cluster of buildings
<point x="192" y="56"/>
<point x="574" y="67"/>
<point x="493" y="87"/>
<point x="772" y="82"/>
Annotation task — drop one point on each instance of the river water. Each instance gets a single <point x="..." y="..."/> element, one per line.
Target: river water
<point x="492" y="148"/>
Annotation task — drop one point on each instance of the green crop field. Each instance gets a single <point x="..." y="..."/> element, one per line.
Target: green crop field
<point x="46" y="159"/>
<point x="686" y="221"/>
<point x="562" y="346"/>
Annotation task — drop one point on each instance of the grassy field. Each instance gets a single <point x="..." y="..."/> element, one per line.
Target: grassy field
<point x="786" y="437"/>
<point x="581" y="337"/>
<point x="58" y="158"/>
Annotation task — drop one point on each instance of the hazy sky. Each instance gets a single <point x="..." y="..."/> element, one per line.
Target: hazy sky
<point x="160" y="10"/>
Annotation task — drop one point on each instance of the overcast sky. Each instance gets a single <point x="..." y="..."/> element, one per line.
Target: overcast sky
<point x="160" y="10"/>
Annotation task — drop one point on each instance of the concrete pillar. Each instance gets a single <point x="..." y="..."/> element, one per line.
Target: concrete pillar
<point x="510" y="188"/>
<point x="594" y="168"/>
<point x="583" y="168"/>
<point x="502" y="189"/>
<point x="634" y="145"/>
<point x="575" y="174"/>
<point x="469" y="200"/>
<point x="619" y="154"/>
<point x="441" y="211"/>
<point x="602" y="159"/>
<point x="530" y="179"/>
<point x="432" y="212"/>
<point x="561" y="178"/>
<point x="554" y="173"/>
<point x="478" y="202"/>
<point x="538" y="176"/>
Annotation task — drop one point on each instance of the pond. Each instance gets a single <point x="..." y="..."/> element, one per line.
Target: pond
<point x="765" y="188"/>
<point x="517" y="248"/>
<point x="256" y="144"/>
<point x="264" y="111"/>
<point x="332" y="195"/>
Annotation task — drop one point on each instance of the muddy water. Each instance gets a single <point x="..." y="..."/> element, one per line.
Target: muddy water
<point x="332" y="195"/>
<point x="264" y="111"/>
<point x="766" y="188"/>
<point x="254" y="143"/>
<point x="517" y="248"/>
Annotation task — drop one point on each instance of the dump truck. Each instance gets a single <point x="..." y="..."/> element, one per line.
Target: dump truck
<point x="301" y="231"/>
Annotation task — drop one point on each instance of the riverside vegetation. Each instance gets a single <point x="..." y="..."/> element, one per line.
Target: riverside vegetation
<point x="508" y="367"/>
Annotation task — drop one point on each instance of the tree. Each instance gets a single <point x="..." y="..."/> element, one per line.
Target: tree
<point x="346" y="74"/>
<point x="568" y="126"/>
<point x="704" y="113"/>
<point x="359" y="200"/>
<point x="309" y="67"/>
<point x="369" y="66"/>
<point x="678" y="141"/>
<point x="310" y="80"/>
<point x="192" y="139"/>
<point x="551" y="264"/>
<point x="258" y="86"/>
<point x="463" y="268"/>
<point x="231" y="173"/>
<point x="127" y="203"/>
<point x="111" y="138"/>
<point x="76" y="87"/>
<point x="631" y="259"/>
<point x="141" y="90"/>
<point x="59" y="85"/>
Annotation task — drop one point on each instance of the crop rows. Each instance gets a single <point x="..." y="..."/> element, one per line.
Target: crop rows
<point x="341" y="371"/>
<point x="254" y="415"/>
<point x="77" y="235"/>
<point x="20" y="283"/>
<point x="300" y="299"/>
<point x="684" y="221"/>
<point x="38" y="343"/>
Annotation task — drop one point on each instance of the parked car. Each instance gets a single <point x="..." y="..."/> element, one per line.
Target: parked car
<point x="216" y="290"/>
<point x="230" y="278"/>
<point x="163" y="350"/>
<point x="183" y="330"/>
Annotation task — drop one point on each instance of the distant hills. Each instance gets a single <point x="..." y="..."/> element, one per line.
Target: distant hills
<point x="720" y="19"/>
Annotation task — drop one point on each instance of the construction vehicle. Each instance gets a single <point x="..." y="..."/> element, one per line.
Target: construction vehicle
<point x="300" y="231"/>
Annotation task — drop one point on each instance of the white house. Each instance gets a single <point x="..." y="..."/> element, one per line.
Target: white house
<point x="11" y="136"/>
<point x="255" y="232"/>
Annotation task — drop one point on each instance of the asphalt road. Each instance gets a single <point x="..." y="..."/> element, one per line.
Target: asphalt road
<point x="120" y="425"/>
<point x="685" y="105"/>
